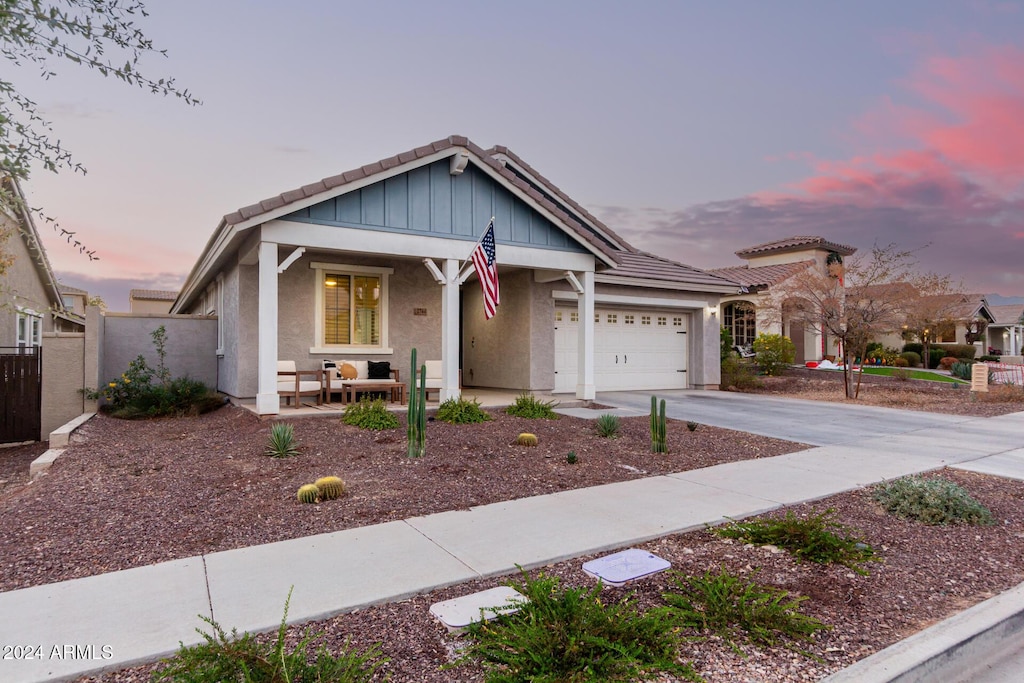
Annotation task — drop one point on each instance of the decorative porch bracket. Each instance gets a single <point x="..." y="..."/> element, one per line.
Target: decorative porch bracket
<point x="292" y="258"/>
<point x="449" y="280"/>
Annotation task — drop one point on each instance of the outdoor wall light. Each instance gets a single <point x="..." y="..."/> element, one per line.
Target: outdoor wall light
<point x="713" y="310"/>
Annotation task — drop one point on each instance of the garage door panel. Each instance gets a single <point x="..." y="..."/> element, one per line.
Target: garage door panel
<point x="633" y="350"/>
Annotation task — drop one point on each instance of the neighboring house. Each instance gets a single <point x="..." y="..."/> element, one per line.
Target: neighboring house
<point x="1005" y="333"/>
<point x="957" y="318"/>
<point x="760" y="308"/>
<point x="157" y="301"/>
<point x="370" y="263"/>
<point x="75" y="301"/>
<point x="30" y="299"/>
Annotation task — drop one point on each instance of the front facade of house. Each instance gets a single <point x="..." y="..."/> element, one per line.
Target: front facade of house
<point x="764" y="307"/>
<point x="1005" y="334"/>
<point x="374" y="262"/>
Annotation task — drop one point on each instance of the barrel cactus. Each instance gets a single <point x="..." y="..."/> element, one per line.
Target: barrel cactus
<point x="330" y="487"/>
<point x="526" y="439"/>
<point x="308" y="493"/>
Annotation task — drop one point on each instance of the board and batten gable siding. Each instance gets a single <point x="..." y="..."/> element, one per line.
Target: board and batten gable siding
<point x="429" y="200"/>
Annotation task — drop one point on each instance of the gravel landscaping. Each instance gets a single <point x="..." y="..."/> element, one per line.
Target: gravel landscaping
<point x="127" y="494"/>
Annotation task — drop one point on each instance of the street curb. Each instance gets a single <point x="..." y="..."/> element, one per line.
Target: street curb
<point x="951" y="650"/>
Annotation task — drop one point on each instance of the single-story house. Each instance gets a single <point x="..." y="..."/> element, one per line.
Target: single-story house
<point x="370" y="263"/>
<point x="764" y="304"/>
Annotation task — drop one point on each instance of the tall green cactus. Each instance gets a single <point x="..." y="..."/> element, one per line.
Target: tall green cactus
<point x="658" y="442"/>
<point x="417" y="417"/>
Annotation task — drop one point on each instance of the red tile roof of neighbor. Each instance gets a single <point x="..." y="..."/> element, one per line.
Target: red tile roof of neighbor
<point x="800" y="243"/>
<point x="285" y="198"/>
<point x="761" y="276"/>
<point x="153" y="294"/>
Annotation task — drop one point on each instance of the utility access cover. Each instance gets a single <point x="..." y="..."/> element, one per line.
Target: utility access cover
<point x="459" y="613"/>
<point x="628" y="565"/>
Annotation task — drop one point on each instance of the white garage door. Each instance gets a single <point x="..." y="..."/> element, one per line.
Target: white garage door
<point x="633" y="349"/>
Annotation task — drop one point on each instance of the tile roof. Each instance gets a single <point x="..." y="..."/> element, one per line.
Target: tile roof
<point x="153" y="294"/>
<point x="1007" y="315"/>
<point x="453" y="141"/>
<point x="761" y="276"/>
<point x="68" y="289"/>
<point x="799" y="243"/>
<point x="641" y="265"/>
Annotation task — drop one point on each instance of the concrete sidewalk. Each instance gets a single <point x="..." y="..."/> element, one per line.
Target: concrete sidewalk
<point x="116" y="619"/>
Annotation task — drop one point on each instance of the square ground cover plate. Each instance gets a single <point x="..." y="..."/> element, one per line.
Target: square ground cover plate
<point x="628" y="565"/>
<point x="458" y="613"/>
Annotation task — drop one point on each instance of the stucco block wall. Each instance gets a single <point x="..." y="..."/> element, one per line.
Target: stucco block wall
<point x="150" y="306"/>
<point x="63" y="379"/>
<point x="191" y="345"/>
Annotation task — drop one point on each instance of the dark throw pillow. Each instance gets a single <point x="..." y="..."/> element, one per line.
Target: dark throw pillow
<point x="378" y="370"/>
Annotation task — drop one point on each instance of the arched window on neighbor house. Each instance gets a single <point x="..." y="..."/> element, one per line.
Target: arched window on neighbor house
<point x="739" y="317"/>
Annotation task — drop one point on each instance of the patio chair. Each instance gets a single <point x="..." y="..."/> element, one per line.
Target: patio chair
<point x="291" y="385"/>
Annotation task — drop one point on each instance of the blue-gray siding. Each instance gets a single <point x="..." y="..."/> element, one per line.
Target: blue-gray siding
<point x="430" y="200"/>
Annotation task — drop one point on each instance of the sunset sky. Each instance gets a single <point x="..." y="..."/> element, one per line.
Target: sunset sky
<point x="692" y="128"/>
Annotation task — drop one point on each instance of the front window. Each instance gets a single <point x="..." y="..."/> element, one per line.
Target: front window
<point x="30" y="329"/>
<point x="740" y="318"/>
<point x="352" y="304"/>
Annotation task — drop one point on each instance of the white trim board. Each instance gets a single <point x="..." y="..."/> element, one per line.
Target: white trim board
<point x="626" y="300"/>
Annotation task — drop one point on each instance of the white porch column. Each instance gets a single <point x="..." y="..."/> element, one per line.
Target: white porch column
<point x="585" y="346"/>
<point x="1015" y="340"/>
<point x="450" y="331"/>
<point x="268" y="402"/>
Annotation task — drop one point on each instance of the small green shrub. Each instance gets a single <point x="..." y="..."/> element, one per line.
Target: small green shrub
<point x="529" y="406"/>
<point x="691" y="425"/>
<point x="572" y="459"/>
<point x="722" y="603"/>
<point x="574" y="634"/>
<point x="309" y="493"/>
<point x="816" y="538"/>
<point x="461" y="411"/>
<point x="370" y="414"/>
<point x="725" y="339"/>
<point x="608" y="425"/>
<point x="901" y="374"/>
<point x="223" y="658"/>
<point x="931" y="501"/>
<point x="330" y="487"/>
<point x="914" y="347"/>
<point x="282" y="441"/>
<point x="913" y="358"/>
<point x="962" y="351"/>
<point x="773" y="353"/>
<point x="526" y="439"/>
<point x="935" y="356"/>
<point x="900" y="362"/>
<point x="739" y="374"/>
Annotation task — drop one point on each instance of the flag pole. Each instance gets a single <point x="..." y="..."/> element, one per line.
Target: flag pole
<point x="465" y="271"/>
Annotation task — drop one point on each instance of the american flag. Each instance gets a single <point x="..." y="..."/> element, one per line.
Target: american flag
<point x="487" y="270"/>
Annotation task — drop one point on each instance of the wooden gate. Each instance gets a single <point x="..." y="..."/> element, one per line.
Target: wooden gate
<point x="21" y="380"/>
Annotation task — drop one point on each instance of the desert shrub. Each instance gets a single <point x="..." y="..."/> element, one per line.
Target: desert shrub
<point x="370" y="414"/>
<point x="574" y="634"/>
<point x="739" y="374"/>
<point x="143" y="391"/>
<point x="815" y="538"/>
<point x="608" y="425"/>
<point x="725" y="338"/>
<point x="912" y="357"/>
<point x="958" y="369"/>
<point x="572" y="458"/>
<point x="935" y="356"/>
<point x="724" y="604"/>
<point x="931" y="501"/>
<point x="691" y="425"/>
<point x="460" y="411"/>
<point x="901" y="374"/>
<point x="528" y="405"/>
<point x="946" y="362"/>
<point x="901" y="362"/>
<point x="871" y="347"/>
<point x="773" y="353"/>
<point x="282" y="441"/>
<point x="245" y="658"/>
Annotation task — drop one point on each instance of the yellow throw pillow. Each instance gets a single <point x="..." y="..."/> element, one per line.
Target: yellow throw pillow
<point x="348" y="371"/>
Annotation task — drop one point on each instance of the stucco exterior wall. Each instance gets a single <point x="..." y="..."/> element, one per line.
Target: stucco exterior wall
<point x="191" y="345"/>
<point x="497" y="352"/>
<point x="63" y="379"/>
<point x="228" y="363"/>
<point x="150" y="306"/>
<point x="20" y="286"/>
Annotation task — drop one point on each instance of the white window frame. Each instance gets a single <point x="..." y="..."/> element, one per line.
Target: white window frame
<point x="322" y="270"/>
<point x="29" y="335"/>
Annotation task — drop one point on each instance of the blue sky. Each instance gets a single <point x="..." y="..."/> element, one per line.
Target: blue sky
<point x="692" y="128"/>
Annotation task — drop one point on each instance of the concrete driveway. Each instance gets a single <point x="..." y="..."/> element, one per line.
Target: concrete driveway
<point x="818" y="423"/>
